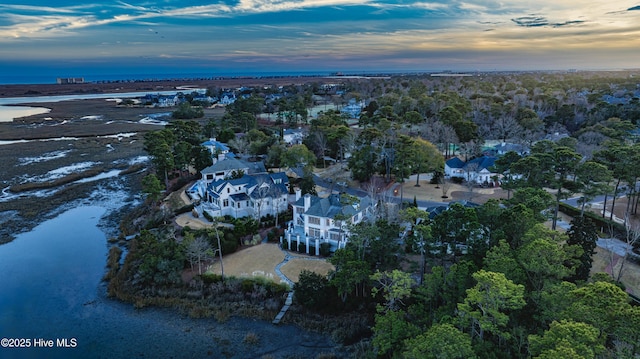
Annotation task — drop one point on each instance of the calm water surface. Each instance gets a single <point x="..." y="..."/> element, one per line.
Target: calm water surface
<point x="51" y="288"/>
<point x="50" y="277"/>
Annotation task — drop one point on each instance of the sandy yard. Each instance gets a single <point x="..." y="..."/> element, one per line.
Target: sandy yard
<point x="293" y="268"/>
<point x="187" y="219"/>
<point x="261" y="260"/>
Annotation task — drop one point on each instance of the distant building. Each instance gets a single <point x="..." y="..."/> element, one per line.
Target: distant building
<point x="293" y="136"/>
<point x="70" y="80"/>
<point x="353" y="109"/>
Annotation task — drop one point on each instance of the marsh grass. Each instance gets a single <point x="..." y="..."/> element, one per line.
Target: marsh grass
<point x="251" y="338"/>
<point x="113" y="262"/>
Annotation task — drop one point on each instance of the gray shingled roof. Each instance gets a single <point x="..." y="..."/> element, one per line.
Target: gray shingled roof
<point x="329" y="207"/>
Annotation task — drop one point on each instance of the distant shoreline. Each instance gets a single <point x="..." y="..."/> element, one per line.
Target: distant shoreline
<point x="52" y="89"/>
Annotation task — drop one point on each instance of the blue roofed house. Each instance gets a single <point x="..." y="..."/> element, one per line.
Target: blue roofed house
<point x="318" y="220"/>
<point x="477" y="170"/>
<point x="216" y="148"/>
<point x="454" y="167"/>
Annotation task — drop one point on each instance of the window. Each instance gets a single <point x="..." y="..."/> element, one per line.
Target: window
<point x="334" y="236"/>
<point x="228" y="190"/>
<point x="314" y="220"/>
<point x="314" y="232"/>
<point x="328" y="222"/>
<point x="238" y="204"/>
<point x="225" y="203"/>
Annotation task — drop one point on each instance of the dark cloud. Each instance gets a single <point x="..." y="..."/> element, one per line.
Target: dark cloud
<point x="531" y="21"/>
<point x="568" y="23"/>
<point x="539" y="21"/>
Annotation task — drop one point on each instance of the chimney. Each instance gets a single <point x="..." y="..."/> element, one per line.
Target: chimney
<point x="298" y="192"/>
<point x="307" y="201"/>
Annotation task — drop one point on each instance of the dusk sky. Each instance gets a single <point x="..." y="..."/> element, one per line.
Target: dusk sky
<point x="70" y="38"/>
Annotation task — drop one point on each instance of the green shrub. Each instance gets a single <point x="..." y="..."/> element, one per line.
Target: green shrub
<point x="325" y="249"/>
<point x="311" y="290"/>
<point x="210" y="278"/>
<point x="247" y="285"/>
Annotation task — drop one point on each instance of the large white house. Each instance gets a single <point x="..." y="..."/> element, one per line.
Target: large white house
<point x="318" y="220"/>
<point x="478" y="170"/>
<point x="252" y="195"/>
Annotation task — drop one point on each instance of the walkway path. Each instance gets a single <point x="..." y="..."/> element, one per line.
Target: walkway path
<point x="289" y="300"/>
<point x="284" y="278"/>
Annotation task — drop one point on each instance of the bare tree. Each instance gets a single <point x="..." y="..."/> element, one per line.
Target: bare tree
<point x="219" y="250"/>
<point x="260" y="194"/>
<point x="445" y="185"/>
<point x="346" y="144"/>
<point x="507" y="127"/>
<point x="632" y="236"/>
<point x="471" y="170"/>
<point x="241" y="144"/>
<point x="197" y="250"/>
<point x="320" y="142"/>
<point x="373" y="189"/>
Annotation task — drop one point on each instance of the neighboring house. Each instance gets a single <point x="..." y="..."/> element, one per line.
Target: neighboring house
<point x="503" y="148"/>
<point x="293" y="136"/>
<point x="205" y="99"/>
<point x="168" y="101"/>
<point x="215" y="148"/>
<point x="319" y="220"/>
<point x="223" y="169"/>
<point x="454" y="167"/>
<point x="227" y="98"/>
<point x="252" y="195"/>
<point x="158" y="100"/>
<point x="353" y="109"/>
<point x="477" y="170"/>
<point x="239" y="188"/>
<point x="230" y="167"/>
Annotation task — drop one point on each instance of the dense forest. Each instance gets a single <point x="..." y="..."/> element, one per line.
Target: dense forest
<point x="486" y="281"/>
